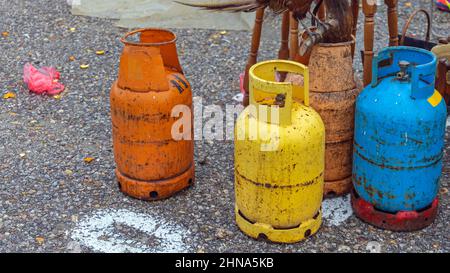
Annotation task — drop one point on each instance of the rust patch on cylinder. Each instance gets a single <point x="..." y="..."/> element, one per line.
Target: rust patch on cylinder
<point x="274" y="186"/>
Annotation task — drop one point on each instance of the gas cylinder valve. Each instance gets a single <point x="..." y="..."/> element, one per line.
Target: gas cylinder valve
<point x="403" y="74"/>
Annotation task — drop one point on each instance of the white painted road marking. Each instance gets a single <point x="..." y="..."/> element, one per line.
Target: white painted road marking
<point x="337" y="210"/>
<point x="97" y="232"/>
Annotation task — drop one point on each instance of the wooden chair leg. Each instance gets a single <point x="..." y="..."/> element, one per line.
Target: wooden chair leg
<point x="369" y="9"/>
<point x="441" y="79"/>
<point x="355" y="12"/>
<point x="253" y="57"/>
<point x="283" y="54"/>
<point x="293" y="37"/>
<point x="392" y="21"/>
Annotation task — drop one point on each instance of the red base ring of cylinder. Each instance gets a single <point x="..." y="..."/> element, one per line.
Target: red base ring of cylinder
<point x="400" y="221"/>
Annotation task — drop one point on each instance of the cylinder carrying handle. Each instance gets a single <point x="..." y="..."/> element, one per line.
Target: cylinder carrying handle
<point x="263" y="82"/>
<point x="163" y="39"/>
<point x="143" y="63"/>
<point x="420" y="68"/>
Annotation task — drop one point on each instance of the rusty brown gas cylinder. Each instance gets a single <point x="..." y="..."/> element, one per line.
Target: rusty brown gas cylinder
<point x="334" y="90"/>
<point x="151" y="163"/>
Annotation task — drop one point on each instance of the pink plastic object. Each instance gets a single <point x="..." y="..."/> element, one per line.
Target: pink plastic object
<point x="42" y="81"/>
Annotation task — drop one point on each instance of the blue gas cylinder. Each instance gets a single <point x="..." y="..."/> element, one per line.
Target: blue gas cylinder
<point x="399" y="132"/>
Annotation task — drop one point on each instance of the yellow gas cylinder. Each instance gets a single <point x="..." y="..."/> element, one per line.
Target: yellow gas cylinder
<point x="279" y="157"/>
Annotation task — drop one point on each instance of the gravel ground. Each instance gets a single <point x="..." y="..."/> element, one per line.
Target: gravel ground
<point x="48" y="192"/>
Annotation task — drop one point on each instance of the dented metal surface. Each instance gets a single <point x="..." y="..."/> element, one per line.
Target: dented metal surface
<point x="333" y="94"/>
<point x="151" y="165"/>
<point x="279" y="191"/>
<point x="399" y="134"/>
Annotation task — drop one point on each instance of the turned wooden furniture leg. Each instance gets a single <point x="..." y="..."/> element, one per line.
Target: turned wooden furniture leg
<point x="355" y="12"/>
<point x="293" y="37"/>
<point x="283" y="54"/>
<point x="369" y="9"/>
<point x="392" y="21"/>
<point x="441" y="79"/>
<point x="253" y="57"/>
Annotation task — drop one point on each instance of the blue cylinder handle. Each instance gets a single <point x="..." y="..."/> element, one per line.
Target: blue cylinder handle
<point x="420" y="71"/>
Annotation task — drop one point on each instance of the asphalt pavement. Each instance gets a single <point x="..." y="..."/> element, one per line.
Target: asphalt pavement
<point x="51" y="200"/>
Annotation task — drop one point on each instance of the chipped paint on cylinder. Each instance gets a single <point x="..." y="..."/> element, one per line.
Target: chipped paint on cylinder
<point x="279" y="191"/>
<point x="399" y="133"/>
<point x="151" y="165"/>
<point x="334" y="90"/>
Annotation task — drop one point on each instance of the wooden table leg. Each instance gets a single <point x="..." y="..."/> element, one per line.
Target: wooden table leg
<point x="293" y="38"/>
<point x="392" y="21"/>
<point x="283" y="54"/>
<point x="253" y="57"/>
<point x="355" y="12"/>
<point x="369" y="9"/>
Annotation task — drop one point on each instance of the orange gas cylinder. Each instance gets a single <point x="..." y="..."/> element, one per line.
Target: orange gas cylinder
<point x="333" y="90"/>
<point x="151" y="163"/>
